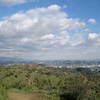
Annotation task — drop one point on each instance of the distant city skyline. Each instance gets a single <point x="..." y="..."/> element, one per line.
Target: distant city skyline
<point x="50" y="29"/>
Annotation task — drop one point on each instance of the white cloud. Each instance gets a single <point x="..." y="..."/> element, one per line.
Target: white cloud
<point x="92" y="20"/>
<point x="39" y="21"/>
<point x="13" y="2"/>
<point x="49" y="36"/>
<point x="41" y="29"/>
<point x="94" y="39"/>
<point x="25" y="40"/>
<point x="93" y="35"/>
<point x="54" y="7"/>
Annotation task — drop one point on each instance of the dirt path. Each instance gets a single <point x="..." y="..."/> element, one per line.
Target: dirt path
<point x="20" y="96"/>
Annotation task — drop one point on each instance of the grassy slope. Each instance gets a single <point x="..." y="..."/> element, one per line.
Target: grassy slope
<point x="49" y="82"/>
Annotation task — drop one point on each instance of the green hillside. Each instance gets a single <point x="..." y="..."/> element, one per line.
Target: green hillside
<point x="55" y="83"/>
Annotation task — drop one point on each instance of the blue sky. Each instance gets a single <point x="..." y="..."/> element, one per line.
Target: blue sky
<point x="50" y="29"/>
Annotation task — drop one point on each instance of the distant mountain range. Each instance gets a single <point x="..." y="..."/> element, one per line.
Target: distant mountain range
<point x="72" y="63"/>
<point x="51" y="63"/>
<point x="12" y="60"/>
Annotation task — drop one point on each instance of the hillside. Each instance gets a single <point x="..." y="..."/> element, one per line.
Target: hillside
<point x="55" y="83"/>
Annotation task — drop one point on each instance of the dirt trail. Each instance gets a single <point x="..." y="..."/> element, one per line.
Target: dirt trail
<point x="20" y="96"/>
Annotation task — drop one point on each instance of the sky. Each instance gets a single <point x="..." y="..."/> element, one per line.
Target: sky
<point x="50" y="29"/>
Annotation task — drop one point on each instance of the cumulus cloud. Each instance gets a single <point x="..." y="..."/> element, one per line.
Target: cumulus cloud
<point x="92" y="21"/>
<point x="13" y="2"/>
<point x="49" y="36"/>
<point x="93" y="35"/>
<point x="41" y="29"/>
<point x="94" y="38"/>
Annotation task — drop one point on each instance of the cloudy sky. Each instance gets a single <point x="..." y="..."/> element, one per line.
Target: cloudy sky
<point x="50" y="29"/>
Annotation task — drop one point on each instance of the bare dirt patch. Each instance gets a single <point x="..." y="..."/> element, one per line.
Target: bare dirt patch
<point x="22" y="96"/>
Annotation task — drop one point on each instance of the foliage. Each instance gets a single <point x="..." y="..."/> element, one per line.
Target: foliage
<point x="55" y="82"/>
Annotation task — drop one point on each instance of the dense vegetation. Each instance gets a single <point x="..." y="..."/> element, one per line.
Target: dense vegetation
<point x="57" y="83"/>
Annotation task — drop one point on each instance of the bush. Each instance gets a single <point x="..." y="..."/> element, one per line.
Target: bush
<point x="3" y="93"/>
